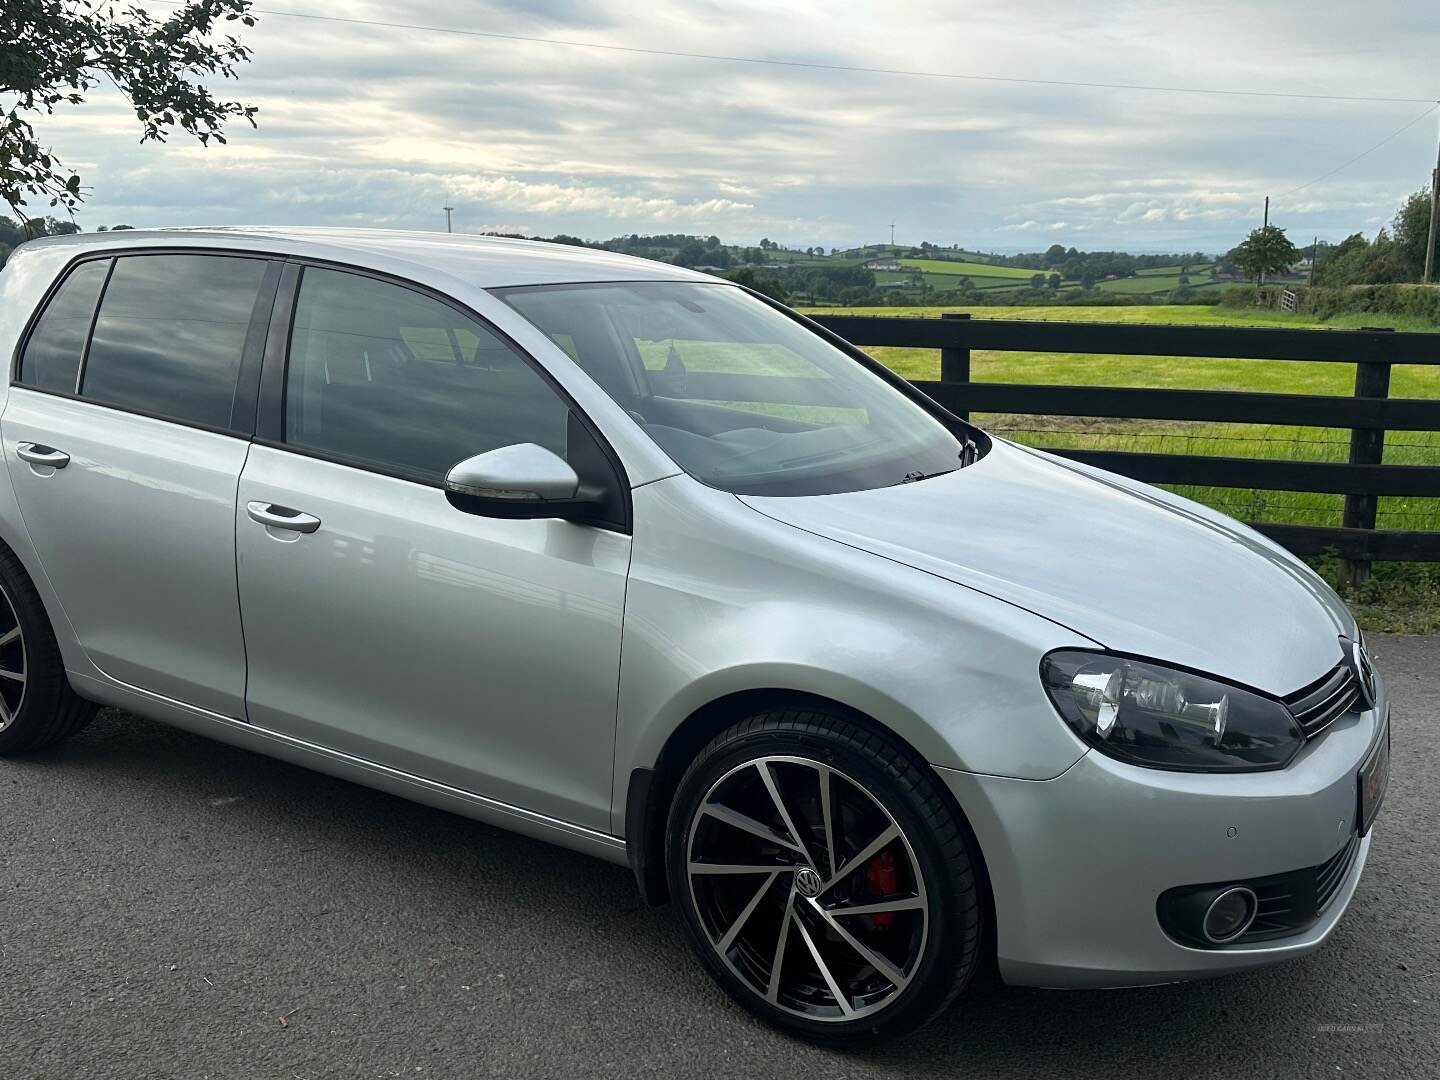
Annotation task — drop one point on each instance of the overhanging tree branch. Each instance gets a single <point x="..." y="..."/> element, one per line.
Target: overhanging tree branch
<point x="53" y="52"/>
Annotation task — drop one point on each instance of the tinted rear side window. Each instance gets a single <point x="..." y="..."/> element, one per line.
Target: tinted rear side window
<point x="171" y="333"/>
<point x="52" y="355"/>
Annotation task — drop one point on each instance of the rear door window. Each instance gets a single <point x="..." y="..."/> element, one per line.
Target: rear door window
<point x="170" y="335"/>
<point x="52" y="355"/>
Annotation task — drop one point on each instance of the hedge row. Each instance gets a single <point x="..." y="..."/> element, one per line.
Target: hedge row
<point x="1419" y="301"/>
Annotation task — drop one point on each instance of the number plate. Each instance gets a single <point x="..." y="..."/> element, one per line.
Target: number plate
<point x="1374" y="779"/>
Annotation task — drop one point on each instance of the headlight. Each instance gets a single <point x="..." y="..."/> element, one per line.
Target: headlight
<point x="1165" y="719"/>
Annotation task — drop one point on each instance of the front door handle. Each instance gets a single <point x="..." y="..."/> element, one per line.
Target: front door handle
<point x="36" y="454"/>
<point x="281" y="517"/>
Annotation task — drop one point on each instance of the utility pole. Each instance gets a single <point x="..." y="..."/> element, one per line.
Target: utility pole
<point x="892" y="234"/>
<point x="447" y="208"/>
<point x="1261" y="279"/>
<point x="1434" y="217"/>
<point x="1314" y="258"/>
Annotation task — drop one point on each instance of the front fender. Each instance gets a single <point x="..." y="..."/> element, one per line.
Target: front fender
<point x="723" y="600"/>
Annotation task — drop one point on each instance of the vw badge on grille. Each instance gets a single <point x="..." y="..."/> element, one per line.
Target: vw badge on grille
<point x="1364" y="672"/>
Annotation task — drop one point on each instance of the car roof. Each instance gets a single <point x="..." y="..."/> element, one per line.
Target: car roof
<point x="484" y="261"/>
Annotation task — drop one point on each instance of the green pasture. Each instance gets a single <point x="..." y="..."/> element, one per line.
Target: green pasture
<point x="947" y="282"/>
<point x="945" y="266"/>
<point x="1195" y="270"/>
<point x="1230" y="440"/>
<point x="1153" y="284"/>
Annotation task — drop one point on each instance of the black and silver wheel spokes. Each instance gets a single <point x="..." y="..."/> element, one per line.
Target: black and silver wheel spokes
<point x="12" y="662"/>
<point x="807" y="888"/>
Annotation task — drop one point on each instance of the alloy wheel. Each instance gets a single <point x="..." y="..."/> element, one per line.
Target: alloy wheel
<point x="12" y="662"/>
<point x="807" y="888"/>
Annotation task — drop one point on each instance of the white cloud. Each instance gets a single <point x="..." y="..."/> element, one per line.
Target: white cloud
<point x="365" y="124"/>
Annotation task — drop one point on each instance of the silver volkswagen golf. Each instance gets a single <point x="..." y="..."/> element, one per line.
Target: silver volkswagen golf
<point x="630" y="559"/>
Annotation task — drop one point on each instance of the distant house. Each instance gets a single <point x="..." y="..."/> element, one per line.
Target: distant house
<point x="885" y="262"/>
<point x="891" y="284"/>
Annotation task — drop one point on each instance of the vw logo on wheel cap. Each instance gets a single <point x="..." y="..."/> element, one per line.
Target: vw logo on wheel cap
<point x="1364" y="671"/>
<point x="807" y="882"/>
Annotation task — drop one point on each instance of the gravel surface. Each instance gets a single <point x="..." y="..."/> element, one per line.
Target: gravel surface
<point x="172" y="907"/>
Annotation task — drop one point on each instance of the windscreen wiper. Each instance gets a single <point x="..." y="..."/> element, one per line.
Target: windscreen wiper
<point x="916" y="477"/>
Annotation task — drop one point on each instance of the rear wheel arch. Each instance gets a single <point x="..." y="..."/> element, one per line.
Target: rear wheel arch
<point x="28" y="560"/>
<point x="50" y="711"/>
<point x="651" y="790"/>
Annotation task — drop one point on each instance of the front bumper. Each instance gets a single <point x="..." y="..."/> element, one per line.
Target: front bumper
<point x="1077" y="863"/>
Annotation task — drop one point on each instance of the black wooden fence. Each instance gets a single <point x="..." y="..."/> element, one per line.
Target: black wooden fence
<point x="1369" y="413"/>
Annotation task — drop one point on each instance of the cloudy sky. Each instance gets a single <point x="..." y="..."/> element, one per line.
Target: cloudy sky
<point x="370" y="125"/>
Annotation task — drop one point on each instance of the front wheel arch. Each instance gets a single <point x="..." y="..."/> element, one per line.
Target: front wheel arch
<point x="651" y="790"/>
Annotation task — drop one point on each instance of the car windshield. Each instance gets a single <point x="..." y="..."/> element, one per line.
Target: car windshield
<point x="741" y="396"/>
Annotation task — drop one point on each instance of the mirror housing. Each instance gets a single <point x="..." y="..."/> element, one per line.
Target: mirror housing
<point x="524" y="480"/>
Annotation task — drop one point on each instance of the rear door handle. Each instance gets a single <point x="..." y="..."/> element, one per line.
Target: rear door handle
<point x="281" y="517"/>
<point x="36" y="454"/>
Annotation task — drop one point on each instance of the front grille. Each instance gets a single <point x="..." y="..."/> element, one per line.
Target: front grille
<point x="1321" y="703"/>
<point x="1275" y="909"/>
<point x="1330" y="875"/>
<point x="1285" y="903"/>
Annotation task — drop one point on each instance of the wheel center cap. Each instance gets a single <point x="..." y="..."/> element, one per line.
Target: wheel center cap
<point x="807" y="882"/>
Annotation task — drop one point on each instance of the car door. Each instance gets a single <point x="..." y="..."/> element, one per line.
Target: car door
<point x="380" y="620"/>
<point x="124" y="435"/>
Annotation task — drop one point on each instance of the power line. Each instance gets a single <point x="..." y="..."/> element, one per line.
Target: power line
<point x="1340" y="168"/>
<point x="809" y="65"/>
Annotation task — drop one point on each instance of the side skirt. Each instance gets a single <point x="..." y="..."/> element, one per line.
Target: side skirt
<point x="371" y="774"/>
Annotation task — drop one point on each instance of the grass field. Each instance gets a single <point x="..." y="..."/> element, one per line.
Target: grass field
<point x="946" y="282"/>
<point x="941" y="274"/>
<point x="1231" y="440"/>
<point x="1196" y="270"/>
<point x="945" y="266"/>
<point x="1157" y="283"/>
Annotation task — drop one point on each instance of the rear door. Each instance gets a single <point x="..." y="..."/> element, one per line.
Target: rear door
<point x="125" y="434"/>
<point x="385" y="623"/>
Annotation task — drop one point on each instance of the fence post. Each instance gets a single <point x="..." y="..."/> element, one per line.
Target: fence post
<point x="955" y="362"/>
<point x="1367" y="447"/>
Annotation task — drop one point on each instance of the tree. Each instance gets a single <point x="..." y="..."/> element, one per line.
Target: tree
<point x="770" y="286"/>
<point x="53" y="52"/>
<point x="1265" y="251"/>
<point x="1411" y="229"/>
<point x="13" y="234"/>
<point x="1053" y="282"/>
<point x="691" y="253"/>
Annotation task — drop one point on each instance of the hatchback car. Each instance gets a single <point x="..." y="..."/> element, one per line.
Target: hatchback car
<point x="633" y="560"/>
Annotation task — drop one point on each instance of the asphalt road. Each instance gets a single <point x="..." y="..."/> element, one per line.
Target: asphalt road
<point x="172" y="907"/>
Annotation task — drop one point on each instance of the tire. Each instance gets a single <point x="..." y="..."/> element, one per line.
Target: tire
<point x="37" y="706"/>
<point x="753" y="797"/>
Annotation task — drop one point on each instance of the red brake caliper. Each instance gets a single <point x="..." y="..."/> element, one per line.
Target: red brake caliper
<point x="882" y="879"/>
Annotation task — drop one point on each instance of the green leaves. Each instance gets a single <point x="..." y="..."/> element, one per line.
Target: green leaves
<point x="1265" y="251"/>
<point x="52" y="52"/>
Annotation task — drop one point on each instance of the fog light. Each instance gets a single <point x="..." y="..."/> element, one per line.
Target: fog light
<point x="1229" y="915"/>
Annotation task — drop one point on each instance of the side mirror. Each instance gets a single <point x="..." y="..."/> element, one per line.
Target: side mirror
<point x="520" y="481"/>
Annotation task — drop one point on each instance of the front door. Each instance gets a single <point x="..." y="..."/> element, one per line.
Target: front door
<point x="381" y="621"/>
